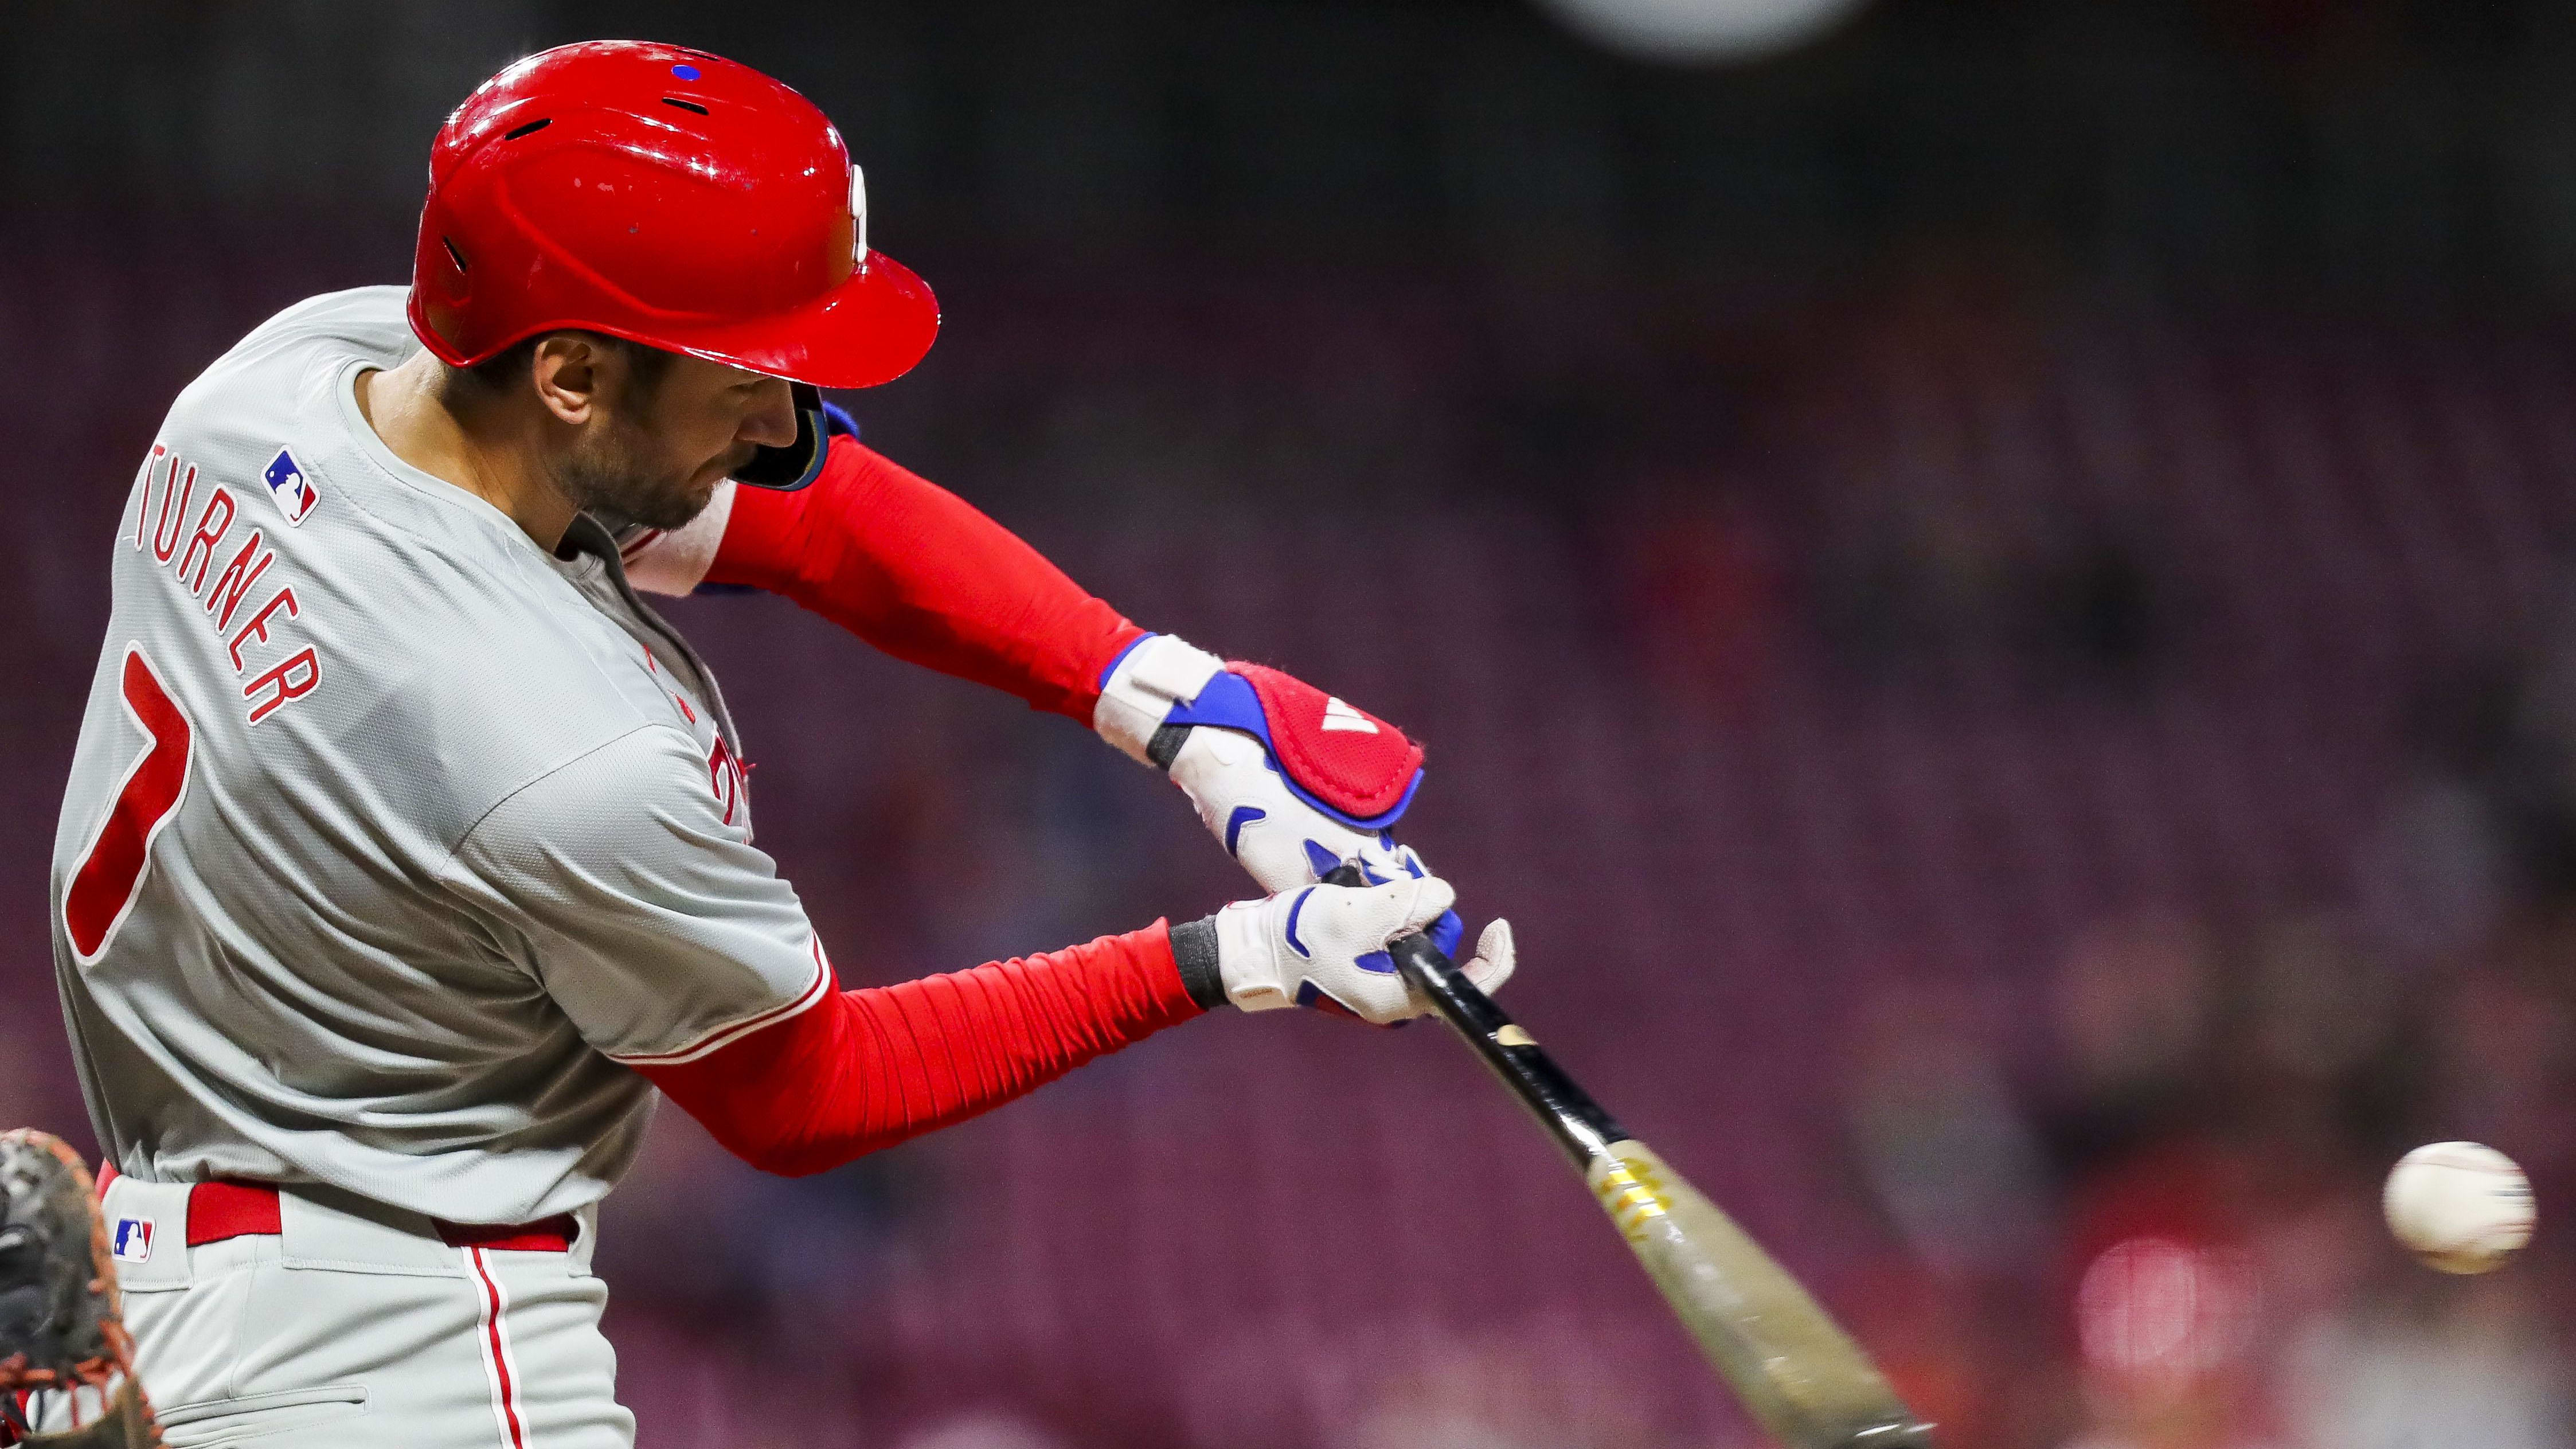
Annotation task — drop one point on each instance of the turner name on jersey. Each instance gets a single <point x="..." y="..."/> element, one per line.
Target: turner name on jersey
<point x="189" y="536"/>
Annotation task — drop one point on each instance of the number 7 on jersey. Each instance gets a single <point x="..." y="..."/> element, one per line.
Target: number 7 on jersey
<point x="111" y="870"/>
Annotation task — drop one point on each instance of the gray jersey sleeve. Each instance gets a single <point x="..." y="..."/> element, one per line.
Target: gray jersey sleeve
<point x="657" y="928"/>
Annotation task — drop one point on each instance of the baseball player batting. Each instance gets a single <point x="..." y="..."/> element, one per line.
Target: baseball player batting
<point x="408" y="853"/>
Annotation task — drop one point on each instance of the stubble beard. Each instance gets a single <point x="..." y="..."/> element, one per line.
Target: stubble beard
<point x="614" y="476"/>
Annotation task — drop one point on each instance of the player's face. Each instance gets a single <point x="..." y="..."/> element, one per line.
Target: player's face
<point x="662" y="444"/>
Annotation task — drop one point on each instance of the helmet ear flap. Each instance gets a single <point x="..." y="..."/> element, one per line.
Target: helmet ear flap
<point x="801" y="462"/>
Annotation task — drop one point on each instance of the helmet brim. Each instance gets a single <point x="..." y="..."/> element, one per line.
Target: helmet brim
<point x="870" y="329"/>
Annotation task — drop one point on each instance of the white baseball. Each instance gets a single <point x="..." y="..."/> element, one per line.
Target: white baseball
<point x="2459" y="1206"/>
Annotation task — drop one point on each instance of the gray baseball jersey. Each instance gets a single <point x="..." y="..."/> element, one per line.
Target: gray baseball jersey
<point x="389" y="835"/>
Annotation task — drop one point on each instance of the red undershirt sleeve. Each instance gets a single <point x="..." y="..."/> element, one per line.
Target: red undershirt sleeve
<point x="861" y="1070"/>
<point x="918" y="572"/>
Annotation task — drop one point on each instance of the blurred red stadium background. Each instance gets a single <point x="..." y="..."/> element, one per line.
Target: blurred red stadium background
<point x="1990" y="594"/>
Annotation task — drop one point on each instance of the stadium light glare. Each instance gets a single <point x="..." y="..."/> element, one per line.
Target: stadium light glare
<point x="1699" y="32"/>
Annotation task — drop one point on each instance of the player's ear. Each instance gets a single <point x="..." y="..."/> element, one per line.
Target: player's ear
<point x="567" y="371"/>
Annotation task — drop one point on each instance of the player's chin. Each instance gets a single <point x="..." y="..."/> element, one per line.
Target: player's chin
<point x="672" y="504"/>
<point x="700" y="488"/>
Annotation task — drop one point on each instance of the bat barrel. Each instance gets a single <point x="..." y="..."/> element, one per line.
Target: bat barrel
<point x="1790" y="1364"/>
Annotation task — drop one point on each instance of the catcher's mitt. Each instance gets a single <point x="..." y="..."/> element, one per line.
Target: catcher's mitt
<point x="59" y="1323"/>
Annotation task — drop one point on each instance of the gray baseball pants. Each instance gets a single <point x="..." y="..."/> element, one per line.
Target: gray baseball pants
<point x="358" y="1325"/>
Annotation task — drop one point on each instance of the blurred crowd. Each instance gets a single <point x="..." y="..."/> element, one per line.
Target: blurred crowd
<point x="2035" y="804"/>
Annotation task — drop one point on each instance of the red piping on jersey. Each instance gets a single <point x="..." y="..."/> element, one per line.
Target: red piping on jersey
<point x="916" y="571"/>
<point x="716" y="1040"/>
<point x="867" y="1069"/>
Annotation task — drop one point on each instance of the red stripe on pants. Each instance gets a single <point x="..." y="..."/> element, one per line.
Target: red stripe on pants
<point x="505" y="1389"/>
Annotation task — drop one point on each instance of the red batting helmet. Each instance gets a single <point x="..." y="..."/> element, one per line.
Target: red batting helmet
<point x="666" y="196"/>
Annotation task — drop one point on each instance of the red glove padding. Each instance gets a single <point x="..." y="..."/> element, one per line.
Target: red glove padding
<point x="918" y="572"/>
<point x="861" y="1070"/>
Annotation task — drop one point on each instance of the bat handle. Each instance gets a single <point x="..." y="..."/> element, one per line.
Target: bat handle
<point x="1579" y="1124"/>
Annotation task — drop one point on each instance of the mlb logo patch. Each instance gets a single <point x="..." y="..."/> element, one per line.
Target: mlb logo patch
<point x="295" y="493"/>
<point x="132" y="1240"/>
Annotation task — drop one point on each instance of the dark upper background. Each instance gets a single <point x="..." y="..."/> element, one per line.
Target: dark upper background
<point x="1986" y="589"/>
<point x="2416" y="149"/>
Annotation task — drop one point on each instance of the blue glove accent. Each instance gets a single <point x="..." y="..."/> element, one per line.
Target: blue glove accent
<point x="1322" y="861"/>
<point x="1312" y="997"/>
<point x="1111" y="667"/>
<point x="1377" y="961"/>
<point x="837" y="423"/>
<point x="1243" y="815"/>
<point x="1294" y="908"/>
<point x="1447" y="931"/>
<point x="1228" y="702"/>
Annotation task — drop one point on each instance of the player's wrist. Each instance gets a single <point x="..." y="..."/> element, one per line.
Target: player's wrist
<point x="1248" y="962"/>
<point x="1142" y="685"/>
<point x="1196" y="954"/>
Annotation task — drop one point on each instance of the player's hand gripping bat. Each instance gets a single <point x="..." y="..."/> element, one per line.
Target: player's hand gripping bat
<point x="1792" y="1366"/>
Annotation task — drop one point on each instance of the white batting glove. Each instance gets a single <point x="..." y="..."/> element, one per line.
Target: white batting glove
<point x="1291" y="780"/>
<point x="1280" y="840"/>
<point x="1324" y="947"/>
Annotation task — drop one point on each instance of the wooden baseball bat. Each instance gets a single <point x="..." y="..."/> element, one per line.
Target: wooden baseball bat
<point x="1799" y="1374"/>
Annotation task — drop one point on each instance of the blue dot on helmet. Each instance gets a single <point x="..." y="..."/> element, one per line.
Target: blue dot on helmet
<point x="685" y="72"/>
